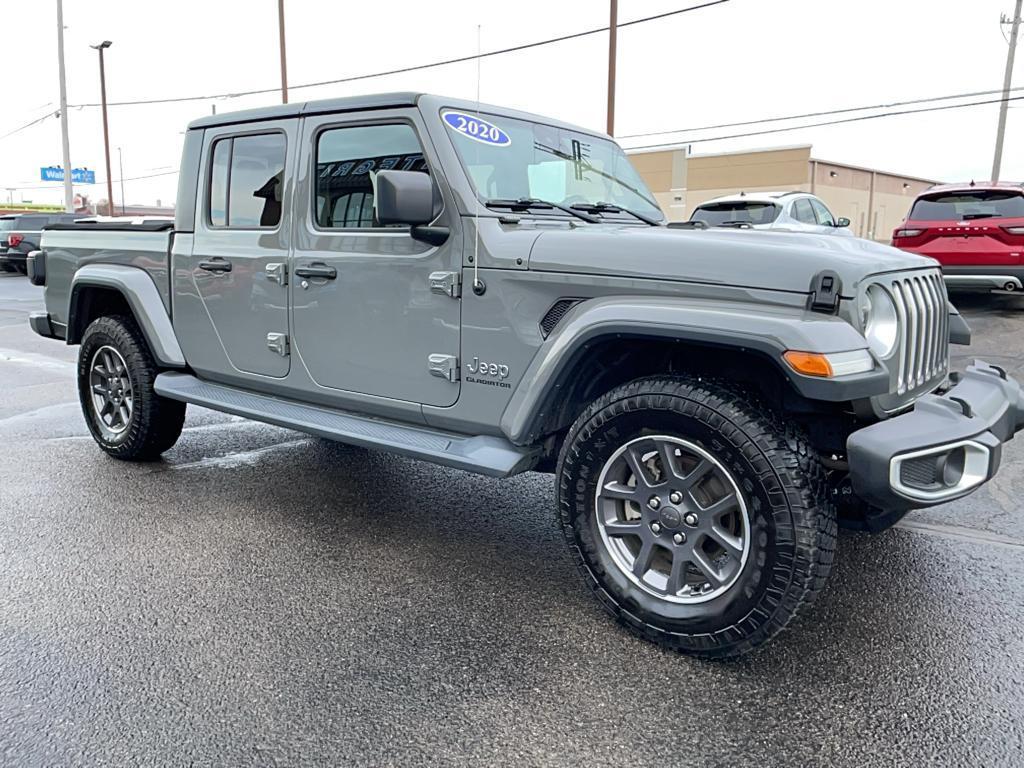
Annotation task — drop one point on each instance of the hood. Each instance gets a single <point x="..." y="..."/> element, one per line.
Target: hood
<point x="778" y="260"/>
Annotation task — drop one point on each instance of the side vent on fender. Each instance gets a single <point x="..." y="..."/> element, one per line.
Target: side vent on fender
<point x="555" y="315"/>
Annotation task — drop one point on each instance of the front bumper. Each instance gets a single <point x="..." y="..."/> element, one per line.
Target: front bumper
<point x="944" y="449"/>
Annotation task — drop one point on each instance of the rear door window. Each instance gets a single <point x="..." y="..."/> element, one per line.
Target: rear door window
<point x="246" y="180"/>
<point x="965" y="206"/>
<point x="803" y="212"/>
<point x="736" y="212"/>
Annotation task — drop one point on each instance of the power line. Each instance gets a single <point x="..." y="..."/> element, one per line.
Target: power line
<point x="844" y="110"/>
<point x="28" y="125"/>
<point x="413" y="68"/>
<point x="828" y="122"/>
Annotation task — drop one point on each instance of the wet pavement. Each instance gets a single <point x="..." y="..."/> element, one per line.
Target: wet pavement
<point x="263" y="598"/>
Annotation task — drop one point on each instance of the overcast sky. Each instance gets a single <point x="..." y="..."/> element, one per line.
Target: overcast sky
<point x="745" y="59"/>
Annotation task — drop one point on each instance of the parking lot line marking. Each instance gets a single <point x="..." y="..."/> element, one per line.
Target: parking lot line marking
<point x="960" y="532"/>
<point x="232" y="460"/>
<point x="14" y="418"/>
<point x="235" y="422"/>
<point x="36" y="360"/>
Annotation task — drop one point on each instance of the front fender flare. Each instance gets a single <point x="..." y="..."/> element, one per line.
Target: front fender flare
<point x="142" y="296"/>
<point x="770" y="330"/>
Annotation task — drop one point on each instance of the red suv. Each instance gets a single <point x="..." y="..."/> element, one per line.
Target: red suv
<point x="975" y="231"/>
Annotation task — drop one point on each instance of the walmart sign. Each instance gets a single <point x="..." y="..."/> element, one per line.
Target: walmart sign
<point x="78" y="175"/>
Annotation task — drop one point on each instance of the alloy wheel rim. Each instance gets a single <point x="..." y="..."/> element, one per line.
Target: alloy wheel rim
<point x="110" y="388"/>
<point x="673" y="519"/>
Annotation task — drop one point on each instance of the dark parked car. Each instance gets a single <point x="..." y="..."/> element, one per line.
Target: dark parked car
<point x="20" y="233"/>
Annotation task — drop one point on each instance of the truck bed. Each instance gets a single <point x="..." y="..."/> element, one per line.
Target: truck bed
<point x="69" y="247"/>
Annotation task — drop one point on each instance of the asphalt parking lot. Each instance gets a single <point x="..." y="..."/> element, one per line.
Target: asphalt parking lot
<point x="261" y="598"/>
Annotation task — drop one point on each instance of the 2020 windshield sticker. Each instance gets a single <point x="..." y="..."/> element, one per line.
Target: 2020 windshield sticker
<point x="476" y="128"/>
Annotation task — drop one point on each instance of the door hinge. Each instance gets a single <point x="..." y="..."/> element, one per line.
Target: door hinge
<point x="277" y="272"/>
<point x="444" y="366"/>
<point x="826" y="288"/>
<point x="278" y="342"/>
<point x="446" y="283"/>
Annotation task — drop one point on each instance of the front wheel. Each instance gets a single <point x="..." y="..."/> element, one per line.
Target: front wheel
<point x="116" y="372"/>
<point x="700" y="520"/>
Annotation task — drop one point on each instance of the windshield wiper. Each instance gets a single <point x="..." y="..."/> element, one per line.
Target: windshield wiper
<point x="969" y="216"/>
<point x="525" y="203"/>
<point x="612" y="208"/>
<point x="737" y="223"/>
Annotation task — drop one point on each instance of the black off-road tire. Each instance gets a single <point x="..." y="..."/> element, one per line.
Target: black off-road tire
<point x="792" y="531"/>
<point x="155" y="422"/>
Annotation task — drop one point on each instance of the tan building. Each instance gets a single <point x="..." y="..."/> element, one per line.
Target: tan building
<point x="874" y="201"/>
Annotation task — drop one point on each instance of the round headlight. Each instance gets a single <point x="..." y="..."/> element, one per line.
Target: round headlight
<point x="881" y="323"/>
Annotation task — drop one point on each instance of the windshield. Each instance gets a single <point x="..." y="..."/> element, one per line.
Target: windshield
<point x="716" y="214"/>
<point x="983" y="204"/>
<point x="511" y="159"/>
<point x="7" y="224"/>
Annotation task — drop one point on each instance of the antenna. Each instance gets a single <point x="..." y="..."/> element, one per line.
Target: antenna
<point x="476" y="218"/>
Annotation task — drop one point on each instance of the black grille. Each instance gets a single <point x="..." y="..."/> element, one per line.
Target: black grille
<point x="555" y="314"/>
<point x="922" y="472"/>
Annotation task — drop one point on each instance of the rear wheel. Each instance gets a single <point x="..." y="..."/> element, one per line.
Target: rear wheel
<point x="116" y="372"/>
<point x="700" y="520"/>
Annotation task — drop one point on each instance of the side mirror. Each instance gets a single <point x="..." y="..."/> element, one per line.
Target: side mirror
<point x="404" y="197"/>
<point x="842" y="221"/>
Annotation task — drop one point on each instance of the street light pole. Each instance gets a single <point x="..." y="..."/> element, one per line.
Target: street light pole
<point x="613" y="28"/>
<point x="284" y="58"/>
<point x="106" y="134"/>
<point x="1007" y="80"/>
<point x="120" y="172"/>
<point x="69" y="194"/>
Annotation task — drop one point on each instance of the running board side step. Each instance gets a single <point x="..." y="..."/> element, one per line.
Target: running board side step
<point x="482" y="454"/>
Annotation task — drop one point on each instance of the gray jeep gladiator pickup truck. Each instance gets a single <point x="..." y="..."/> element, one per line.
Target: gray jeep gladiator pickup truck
<point x="497" y="292"/>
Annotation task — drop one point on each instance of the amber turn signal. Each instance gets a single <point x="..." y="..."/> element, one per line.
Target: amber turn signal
<point x="808" y="363"/>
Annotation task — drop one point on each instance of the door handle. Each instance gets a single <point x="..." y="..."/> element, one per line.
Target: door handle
<point x="216" y="264"/>
<point x="316" y="270"/>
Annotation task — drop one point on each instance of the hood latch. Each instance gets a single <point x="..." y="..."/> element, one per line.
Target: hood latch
<point x="826" y="288"/>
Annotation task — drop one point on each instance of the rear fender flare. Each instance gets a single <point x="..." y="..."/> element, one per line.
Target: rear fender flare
<point x="143" y="298"/>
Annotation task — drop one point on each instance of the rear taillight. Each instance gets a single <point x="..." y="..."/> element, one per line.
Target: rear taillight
<point x="1015" y="230"/>
<point x="907" y="232"/>
<point x="14" y="240"/>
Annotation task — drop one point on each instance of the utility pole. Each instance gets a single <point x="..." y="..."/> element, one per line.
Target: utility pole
<point x="1007" y="78"/>
<point x="106" y="135"/>
<point x="284" y="57"/>
<point x="120" y="172"/>
<point x="613" y="28"/>
<point x="69" y="194"/>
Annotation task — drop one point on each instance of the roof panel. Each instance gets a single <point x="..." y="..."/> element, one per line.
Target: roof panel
<point x="280" y="111"/>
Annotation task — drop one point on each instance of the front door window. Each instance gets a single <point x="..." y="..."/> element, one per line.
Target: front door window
<point x="348" y="159"/>
<point x="822" y="213"/>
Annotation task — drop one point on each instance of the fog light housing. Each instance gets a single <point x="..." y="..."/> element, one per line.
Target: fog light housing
<point x="940" y="473"/>
<point x="953" y="465"/>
